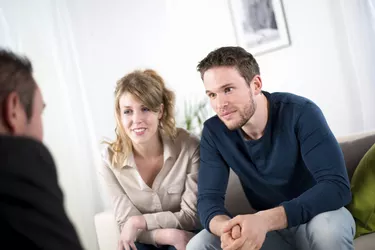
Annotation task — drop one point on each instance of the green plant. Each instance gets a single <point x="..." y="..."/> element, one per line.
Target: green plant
<point x="195" y="114"/>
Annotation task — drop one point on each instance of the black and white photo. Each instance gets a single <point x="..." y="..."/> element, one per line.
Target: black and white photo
<point x="260" y="25"/>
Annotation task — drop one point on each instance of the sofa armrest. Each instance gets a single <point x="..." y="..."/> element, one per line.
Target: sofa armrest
<point x="106" y="230"/>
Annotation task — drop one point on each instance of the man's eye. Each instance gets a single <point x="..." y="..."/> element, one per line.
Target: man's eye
<point x="227" y="90"/>
<point x="211" y="95"/>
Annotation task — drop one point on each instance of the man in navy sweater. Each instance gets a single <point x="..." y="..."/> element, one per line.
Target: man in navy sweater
<point x="288" y="161"/>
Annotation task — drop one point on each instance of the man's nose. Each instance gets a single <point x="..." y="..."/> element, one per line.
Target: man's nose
<point x="221" y="101"/>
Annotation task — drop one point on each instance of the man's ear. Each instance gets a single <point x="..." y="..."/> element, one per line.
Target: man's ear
<point x="14" y="115"/>
<point x="257" y="80"/>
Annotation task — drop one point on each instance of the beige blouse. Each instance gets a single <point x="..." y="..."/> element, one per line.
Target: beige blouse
<point x="171" y="202"/>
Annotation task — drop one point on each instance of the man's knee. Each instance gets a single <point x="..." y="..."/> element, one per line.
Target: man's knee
<point x="331" y="229"/>
<point x="204" y="240"/>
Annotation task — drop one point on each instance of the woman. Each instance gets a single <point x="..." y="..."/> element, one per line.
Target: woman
<point x="151" y="168"/>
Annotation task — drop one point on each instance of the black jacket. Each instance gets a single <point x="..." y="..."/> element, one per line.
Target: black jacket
<point x="32" y="214"/>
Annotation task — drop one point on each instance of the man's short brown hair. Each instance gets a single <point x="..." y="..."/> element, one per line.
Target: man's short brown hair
<point x="16" y="75"/>
<point x="237" y="57"/>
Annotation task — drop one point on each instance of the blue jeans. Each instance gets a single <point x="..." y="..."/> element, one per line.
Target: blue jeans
<point x="141" y="246"/>
<point x="329" y="230"/>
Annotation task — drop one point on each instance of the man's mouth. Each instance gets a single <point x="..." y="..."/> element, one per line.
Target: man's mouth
<point x="226" y="115"/>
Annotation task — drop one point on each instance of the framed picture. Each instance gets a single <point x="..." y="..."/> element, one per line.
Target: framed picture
<point x="260" y="25"/>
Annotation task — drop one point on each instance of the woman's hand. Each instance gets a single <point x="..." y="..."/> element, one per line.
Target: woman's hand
<point x="182" y="239"/>
<point x="130" y="231"/>
<point x="173" y="237"/>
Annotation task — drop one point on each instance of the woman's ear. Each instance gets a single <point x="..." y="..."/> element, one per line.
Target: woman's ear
<point x="161" y="111"/>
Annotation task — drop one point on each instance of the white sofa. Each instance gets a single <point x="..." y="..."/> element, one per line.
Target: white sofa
<point x="353" y="147"/>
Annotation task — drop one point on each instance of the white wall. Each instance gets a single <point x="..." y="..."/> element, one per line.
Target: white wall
<point x="173" y="35"/>
<point x="112" y="38"/>
<point x="80" y="48"/>
<point x="316" y="65"/>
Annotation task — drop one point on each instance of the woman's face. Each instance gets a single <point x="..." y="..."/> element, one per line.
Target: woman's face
<point x="139" y="122"/>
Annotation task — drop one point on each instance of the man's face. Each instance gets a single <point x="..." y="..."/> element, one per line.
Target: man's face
<point x="34" y="127"/>
<point x="230" y="95"/>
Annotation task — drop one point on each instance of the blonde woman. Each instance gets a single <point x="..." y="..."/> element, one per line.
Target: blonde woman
<point x="151" y="169"/>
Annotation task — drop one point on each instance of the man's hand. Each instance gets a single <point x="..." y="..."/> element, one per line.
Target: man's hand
<point x="129" y="232"/>
<point x="253" y="232"/>
<point x="217" y="224"/>
<point x="228" y="237"/>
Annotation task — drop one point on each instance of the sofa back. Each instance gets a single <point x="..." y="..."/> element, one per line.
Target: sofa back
<point x="353" y="147"/>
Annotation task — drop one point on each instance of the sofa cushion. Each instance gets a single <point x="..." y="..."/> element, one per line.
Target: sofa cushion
<point x="362" y="205"/>
<point x="235" y="199"/>
<point x="366" y="242"/>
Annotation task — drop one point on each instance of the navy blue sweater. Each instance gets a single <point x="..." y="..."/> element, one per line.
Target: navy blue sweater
<point x="297" y="163"/>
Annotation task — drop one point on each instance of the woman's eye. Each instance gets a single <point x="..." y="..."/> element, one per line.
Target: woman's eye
<point x="145" y="109"/>
<point x="126" y="112"/>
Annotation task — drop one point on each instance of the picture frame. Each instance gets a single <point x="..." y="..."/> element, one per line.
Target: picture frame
<point x="260" y="25"/>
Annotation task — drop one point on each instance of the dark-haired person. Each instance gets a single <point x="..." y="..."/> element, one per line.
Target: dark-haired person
<point x="32" y="214"/>
<point x="289" y="163"/>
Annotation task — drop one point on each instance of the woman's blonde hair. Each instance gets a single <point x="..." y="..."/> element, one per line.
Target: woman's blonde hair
<point x="149" y="88"/>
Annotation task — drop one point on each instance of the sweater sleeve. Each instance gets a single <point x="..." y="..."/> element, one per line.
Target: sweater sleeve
<point x="212" y="181"/>
<point x="324" y="159"/>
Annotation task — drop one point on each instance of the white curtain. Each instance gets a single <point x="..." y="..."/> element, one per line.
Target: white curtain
<point x="42" y="31"/>
<point x="359" y="23"/>
<point x="370" y="6"/>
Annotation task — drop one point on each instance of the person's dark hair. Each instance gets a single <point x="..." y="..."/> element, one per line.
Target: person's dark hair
<point x="237" y="57"/>
<point x="16" y="75"/>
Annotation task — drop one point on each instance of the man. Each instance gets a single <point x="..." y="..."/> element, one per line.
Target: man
<point x="289" y="163"/>
<point x="32" y="215"/>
